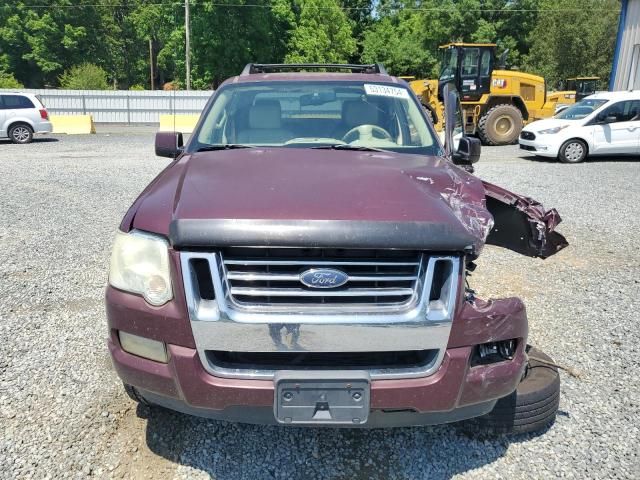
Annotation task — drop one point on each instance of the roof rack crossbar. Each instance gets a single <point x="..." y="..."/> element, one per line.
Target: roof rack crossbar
<point x="252" y="68"/>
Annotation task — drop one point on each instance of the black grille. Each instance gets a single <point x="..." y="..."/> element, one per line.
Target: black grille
<point x="527" y="135"/>
<point x="320" y="360"/>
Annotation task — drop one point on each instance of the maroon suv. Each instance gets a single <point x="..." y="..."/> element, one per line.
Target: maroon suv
<point x="303" y="261"/>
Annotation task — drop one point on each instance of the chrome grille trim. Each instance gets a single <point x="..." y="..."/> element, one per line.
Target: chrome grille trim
<point x="298" y="292"/>
<point x="248" y="276"/>
<point x="401" y="280"/>
<point x="420" y="324"/>
<point x="317" y="262"/>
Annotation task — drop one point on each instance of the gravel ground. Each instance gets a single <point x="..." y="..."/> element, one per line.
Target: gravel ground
<point x="63" y="412"/>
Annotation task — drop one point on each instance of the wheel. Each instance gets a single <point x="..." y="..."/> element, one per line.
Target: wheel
<point x="532" y="407"/>
<point x="501" y="125"/>
<point x="21" y="133"/>
<point x="573" y="151"/>
<point x="134" y="395"/>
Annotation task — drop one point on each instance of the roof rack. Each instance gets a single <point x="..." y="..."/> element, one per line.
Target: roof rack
<point x="252" y="68"/>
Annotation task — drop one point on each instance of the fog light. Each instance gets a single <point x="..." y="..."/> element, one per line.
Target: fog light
<point x="143" y="347"/>
<point x="494" y="352"/>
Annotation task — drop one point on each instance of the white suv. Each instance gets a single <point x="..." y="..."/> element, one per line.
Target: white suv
<point x="606" y="123"/>
<point x="22" y="115"/>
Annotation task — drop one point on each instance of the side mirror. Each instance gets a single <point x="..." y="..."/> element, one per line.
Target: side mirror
<point x="451" y="108"/>
<point x="468" y="151"/>
<point x="609" y="119"/>
<point x="169" y="144"/>
<point x="463" y="150"/>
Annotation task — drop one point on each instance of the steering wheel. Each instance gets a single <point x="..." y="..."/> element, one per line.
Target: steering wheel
<point x="366" y="132"/>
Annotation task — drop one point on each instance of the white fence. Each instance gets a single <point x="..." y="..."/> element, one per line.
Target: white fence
<point x="121" y="106"/>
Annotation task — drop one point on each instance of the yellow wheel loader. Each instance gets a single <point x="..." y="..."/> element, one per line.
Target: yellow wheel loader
<point x="496" y="102"/>
<point x="575" y="89"/>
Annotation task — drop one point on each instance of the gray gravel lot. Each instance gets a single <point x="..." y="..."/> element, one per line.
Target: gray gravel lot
<point x="63" y="412"/>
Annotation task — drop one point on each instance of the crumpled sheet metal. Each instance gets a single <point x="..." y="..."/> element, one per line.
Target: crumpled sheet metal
<point x="497" y="216"/>
<point x="464" y="195"/>
<point x="522" y="224"/>
<point x="468" y="207"/>
<point x="483" y="321"/>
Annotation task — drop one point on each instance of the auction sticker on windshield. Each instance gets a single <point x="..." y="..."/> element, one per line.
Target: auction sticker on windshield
<point x="386" y="91"/>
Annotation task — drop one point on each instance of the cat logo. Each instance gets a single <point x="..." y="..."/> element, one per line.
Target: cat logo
<point x="499" y="83"/>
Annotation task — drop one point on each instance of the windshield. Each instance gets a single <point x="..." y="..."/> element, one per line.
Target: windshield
<point x="449" y="65"/>
<point x="582" y="109"/>
<point x="586" y="87"/>
<point x="316" y="114"/>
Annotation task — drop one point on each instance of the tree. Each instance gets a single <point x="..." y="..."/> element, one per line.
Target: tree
<point x="163" y="25"/>
<point x="226" y="37"/>
<point x="38" y="44"/>
<point x="584" y="46"/>
<point x="84" y="77"/>
<point x="8" y="81"/>
<point x="359" y="13"/>
<point x="556" y="39"/>
<point x="398" y="41"/>
<point x="322" y="33"/>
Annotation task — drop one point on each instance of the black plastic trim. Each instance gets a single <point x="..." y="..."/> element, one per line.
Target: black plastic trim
<point x="320" y="234"/>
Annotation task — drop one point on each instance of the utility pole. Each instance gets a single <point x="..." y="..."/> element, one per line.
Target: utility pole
<point x="151" y="63"/>
<point x="187" y="33"/>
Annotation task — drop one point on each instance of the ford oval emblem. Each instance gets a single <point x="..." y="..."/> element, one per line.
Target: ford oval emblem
<point x="323" y="278"/>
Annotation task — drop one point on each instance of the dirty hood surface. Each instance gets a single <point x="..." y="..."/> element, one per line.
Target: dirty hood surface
<point x="295" y="197"/>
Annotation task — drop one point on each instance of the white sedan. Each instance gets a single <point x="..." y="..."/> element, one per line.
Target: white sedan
<point x="602" y="124"/>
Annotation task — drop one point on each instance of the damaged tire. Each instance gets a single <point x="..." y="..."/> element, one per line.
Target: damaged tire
<point x="532" y="407"/>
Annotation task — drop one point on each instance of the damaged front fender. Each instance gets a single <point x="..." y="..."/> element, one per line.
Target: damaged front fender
<point x="521" y="224"/>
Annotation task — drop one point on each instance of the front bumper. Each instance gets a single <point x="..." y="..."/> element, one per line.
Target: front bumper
<point x="457" y="391"/>
<point x="543" y="145"/>
<point x="454" y="392"/>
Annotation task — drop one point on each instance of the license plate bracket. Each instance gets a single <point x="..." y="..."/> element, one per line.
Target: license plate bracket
<point x="322" y="397"/>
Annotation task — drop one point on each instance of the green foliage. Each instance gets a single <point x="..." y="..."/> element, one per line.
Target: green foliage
<point x="8" y="81"/>
<point x="581" y="47"/>
<point x="557" y="39"/>
<point x="84" y="77"/>
<point x="137" y="87"/>
<point x="322" y="34"/>
<point x="398" y="42"/>
<point x="225" y="38"/>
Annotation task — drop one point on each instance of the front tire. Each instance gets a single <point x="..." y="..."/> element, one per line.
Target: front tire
<point x="133" y="393"/>
<point x="501" y="125"/>
<point x="573" y="151"/>
<point x="531" y="408"/>
<point x="21" y="133"/>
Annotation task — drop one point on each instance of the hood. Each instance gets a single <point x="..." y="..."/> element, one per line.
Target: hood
<point x="287" y="197"/>
<point x="548" y="123"/>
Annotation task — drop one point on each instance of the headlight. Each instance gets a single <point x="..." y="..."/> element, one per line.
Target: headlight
<point x="552" y="130"/>
<point x="140" y="264"/>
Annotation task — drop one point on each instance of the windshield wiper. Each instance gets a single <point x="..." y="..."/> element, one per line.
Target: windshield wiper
<point x="224" y="146"/>
<point x="346" y="146"/>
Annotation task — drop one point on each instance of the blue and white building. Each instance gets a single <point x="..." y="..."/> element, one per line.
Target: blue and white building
<point x="625" y="74"/>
